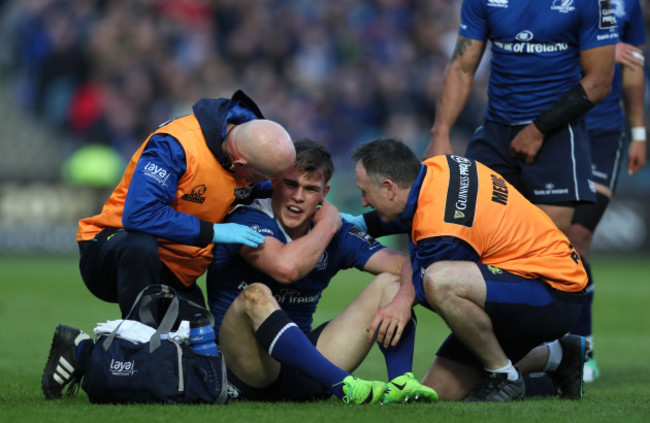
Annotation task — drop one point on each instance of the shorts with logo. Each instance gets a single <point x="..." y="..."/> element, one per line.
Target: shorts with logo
<point x="606" y="156"/>
<point x="291" y="384"/>
<point x="560" y="173"/>
<point x="524" y="313"/>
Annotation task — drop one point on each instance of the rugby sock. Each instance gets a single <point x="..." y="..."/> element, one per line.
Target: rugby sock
<point x="554" y="356"/>
<point x="584" y="323"/>
<point x="84" y="349"/>
<point x="285" y="342"/>
<point x="512" y="372"/>
<point x="399" y="359"/>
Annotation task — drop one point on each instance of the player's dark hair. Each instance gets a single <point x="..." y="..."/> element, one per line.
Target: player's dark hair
<point x="313" y="158"/>
<point x="389" y="158"/>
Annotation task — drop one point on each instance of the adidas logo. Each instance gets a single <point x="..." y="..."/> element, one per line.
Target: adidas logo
<point x="497" y="3"/>
<point x="65" y="369"/>
<point x="63" y="372"/>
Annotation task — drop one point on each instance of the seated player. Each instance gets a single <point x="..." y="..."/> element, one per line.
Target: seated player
<point x="264" y="299"/>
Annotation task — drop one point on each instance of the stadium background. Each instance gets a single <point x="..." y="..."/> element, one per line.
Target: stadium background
<point x="83" y="82"/>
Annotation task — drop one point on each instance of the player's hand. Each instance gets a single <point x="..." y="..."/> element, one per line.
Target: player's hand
<point x="439" y="144"/>
<point x="629" y="55"/>
<point x="526" y="144"/>
<point x="328" y="214"/>
<point x="234" y="233"/>
<point x="389" y="323"/>
<point x="636" y="157"/>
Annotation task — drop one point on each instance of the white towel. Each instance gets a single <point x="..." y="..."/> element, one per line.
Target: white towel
<point x="138" y="332"/>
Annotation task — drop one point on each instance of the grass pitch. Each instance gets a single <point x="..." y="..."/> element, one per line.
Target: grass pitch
<point x="40" y="292"/>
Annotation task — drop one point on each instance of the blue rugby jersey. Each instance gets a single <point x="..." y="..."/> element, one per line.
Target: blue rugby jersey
<point x="229" y="274"/>
<point x="535" y="46"/>
<point x="609" y="113"/>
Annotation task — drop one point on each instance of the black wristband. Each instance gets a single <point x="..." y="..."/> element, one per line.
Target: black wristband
<point x="574" y="103"/>
<point x="206" y="233"/>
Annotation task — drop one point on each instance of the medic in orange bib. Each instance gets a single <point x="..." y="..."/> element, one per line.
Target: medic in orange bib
<point x="160" y="223"/>
<point x="503" y="277"/>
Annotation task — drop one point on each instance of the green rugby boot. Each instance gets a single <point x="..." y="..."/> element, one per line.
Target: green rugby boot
<point x="406" y="388"/>
<point x="358" y="391"/>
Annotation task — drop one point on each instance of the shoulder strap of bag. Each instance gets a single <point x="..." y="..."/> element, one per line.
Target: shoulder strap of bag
<point x="165" y="326"/>
<point x="143" y="303"/>
<point x="223" y="395"/>
<point x="109" y="339"/>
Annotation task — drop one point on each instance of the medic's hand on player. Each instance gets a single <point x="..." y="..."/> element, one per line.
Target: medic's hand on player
<point x="234" y="233"/>
<point x="357" y="220"/>
<point x="526" y="144"/>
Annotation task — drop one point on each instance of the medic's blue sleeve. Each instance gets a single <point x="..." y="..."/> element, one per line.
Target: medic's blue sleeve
<point x="148" y="202"/>
<point x="378" y="228"/>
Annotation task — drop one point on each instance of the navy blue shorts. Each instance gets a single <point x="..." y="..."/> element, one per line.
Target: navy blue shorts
<point x="606" y="156"/>
<point x="560" y="173"/>
<point x="291" y="384"/>
<point x="524" y="312"/>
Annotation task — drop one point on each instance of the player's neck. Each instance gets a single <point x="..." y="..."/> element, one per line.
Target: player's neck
<point x="295" y="233"/>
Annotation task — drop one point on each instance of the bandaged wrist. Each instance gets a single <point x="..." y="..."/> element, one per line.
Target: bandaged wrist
<point x="638" y="133"/>
<point x="574" y="103"/>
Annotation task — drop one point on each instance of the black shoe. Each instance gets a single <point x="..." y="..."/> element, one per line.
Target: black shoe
<point x="62" y="365"/>
<point x="568" y="376"/>
<point x="497" y="388"/>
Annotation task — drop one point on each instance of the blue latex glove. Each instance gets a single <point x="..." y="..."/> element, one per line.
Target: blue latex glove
<point x="357" y="221"/>
<point x="234" y="233"/>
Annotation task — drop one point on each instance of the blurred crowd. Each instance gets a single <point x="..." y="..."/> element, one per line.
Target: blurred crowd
<point x="340" y="72"/>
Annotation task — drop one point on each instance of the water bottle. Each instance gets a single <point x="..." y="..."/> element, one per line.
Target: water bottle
<point x="202" y="336"/>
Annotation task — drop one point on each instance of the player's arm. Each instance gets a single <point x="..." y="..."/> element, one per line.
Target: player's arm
<point x="456" y="87"/>
<point x="287" y="263"/>
<point x="633" y="85"/>
<point x="598" y="71"/>
<point x="386" y="260"/>
<point x="147" y="206"/>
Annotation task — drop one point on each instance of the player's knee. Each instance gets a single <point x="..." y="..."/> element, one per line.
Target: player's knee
<point x="254" y="296"/>
<point x="386" y="283"/>
<point x="437" y="286"/>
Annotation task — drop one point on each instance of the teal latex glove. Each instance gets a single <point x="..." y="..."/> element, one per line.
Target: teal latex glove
<point x="234" y="233"/>
<point x="357" y="221"/>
